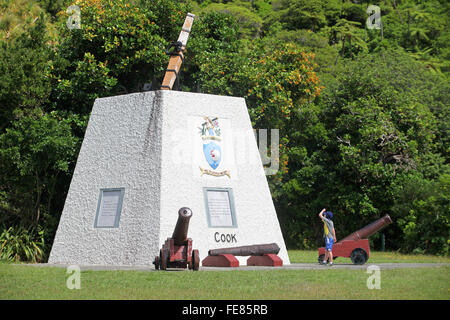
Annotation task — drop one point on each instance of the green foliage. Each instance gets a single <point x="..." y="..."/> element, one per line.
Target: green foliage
<point x="15" y="15"/>
<point x="303" y="14"/>
<point x="119" y="47"/>
<point x="370" y="129"/>
<point x="34" y="153"/>
<point x="89" y="80"/>
<point x="54" y="6"/>
<point x="422" y="208"/>
<point x="349" y="35"/>
<point x="24" y="73"/>
<point x="279" y="83"/>
<point x="22" y="244"/>
<point x="263" y="7"/>
<point x="249" y="21"/>
<point x="214" y="37"/>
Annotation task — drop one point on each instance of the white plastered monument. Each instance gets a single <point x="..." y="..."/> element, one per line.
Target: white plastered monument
<point x="146" y="155"/>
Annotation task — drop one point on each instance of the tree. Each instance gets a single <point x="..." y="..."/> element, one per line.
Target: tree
<point x="24" y="71"/>
<point x="346" y="31"/>
<point x="214" y="37"/>
<point x="34" y="153"/>
<point x="421" y="206"/>
<point x="304" y="14"/>
<point x="249" y="21"/>
<point x="350" y="148"/>
<point x="17" y="16"/>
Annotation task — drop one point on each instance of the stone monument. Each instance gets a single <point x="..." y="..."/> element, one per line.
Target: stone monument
<point x="146" y="155"/>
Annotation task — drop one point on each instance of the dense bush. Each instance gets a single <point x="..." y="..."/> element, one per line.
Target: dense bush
<point x="362" y="147"/>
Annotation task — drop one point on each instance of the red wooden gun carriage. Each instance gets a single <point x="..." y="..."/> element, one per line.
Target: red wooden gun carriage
<point x="177" y="251"/>
<point x="356" y="245"/>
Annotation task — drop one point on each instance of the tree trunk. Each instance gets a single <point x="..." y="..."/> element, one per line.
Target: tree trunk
<point x="38" y="199"/>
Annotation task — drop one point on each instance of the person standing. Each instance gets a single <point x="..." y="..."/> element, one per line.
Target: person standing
<point x="329" y="235"/>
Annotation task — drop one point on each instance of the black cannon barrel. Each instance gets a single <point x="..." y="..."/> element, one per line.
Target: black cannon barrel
<point x="181" y="229"/>
<point x="253" y="250"/>
<point x="370" y="229"/>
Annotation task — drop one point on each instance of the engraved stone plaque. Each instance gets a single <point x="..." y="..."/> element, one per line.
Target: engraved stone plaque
<point x="109" y="208"/>
<point x="220" y="207"/>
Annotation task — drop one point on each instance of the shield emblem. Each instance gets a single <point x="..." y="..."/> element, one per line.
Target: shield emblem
<point x="211" y="142"/>
<point x="213" y="153"/>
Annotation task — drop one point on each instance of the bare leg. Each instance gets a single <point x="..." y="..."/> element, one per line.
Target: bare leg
<point x="326" y="256"/>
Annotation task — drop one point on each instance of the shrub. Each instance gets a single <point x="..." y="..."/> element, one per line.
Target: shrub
<point x="22" y="244"/>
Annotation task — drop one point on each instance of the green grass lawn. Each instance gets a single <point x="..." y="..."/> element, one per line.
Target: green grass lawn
<point x="27" y="282"/>
<point x="310" y="256"/>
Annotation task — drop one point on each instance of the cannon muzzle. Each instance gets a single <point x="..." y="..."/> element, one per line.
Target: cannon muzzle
<point x="253" y="250"/>
<point x="370" y="229"/>
<point x="181" y="228"/>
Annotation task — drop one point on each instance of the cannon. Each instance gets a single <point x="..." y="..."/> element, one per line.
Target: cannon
<point x="253" y="250"/>
<point x="177" y="251"/>
<point x="356" y="245"/>
<point x="260" y="255"/>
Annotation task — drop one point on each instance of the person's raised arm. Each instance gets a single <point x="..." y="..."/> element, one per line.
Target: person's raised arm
<point x="320" y="214"/>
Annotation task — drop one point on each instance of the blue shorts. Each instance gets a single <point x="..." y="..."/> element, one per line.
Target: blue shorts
<point x="329" y="244"/>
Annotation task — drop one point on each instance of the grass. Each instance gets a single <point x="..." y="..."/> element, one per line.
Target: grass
<point x="307" y="256"/>
<point x="27" y="282"/>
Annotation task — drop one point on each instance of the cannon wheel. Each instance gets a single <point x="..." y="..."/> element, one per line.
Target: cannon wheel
<point x="320" y="259"/>
<point x="358" y="256"/>
<point x="156" y="262"/>
<point x="191" y="263"/>
<point x="195" y="260"/>
<point x="163" y="259"/>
